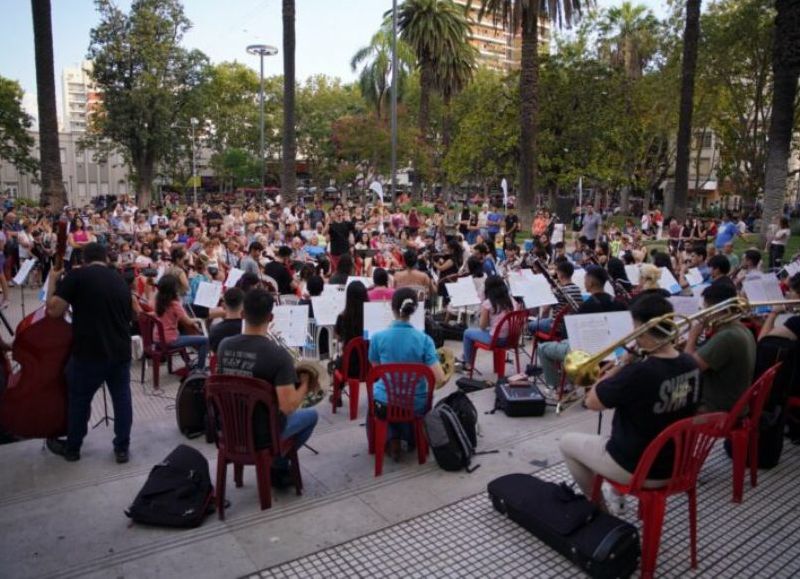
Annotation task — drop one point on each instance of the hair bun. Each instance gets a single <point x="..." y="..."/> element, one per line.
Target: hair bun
<point x="408" y="307"/>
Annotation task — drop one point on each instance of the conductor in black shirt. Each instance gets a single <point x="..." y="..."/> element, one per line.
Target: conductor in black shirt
<point x="101" y="348"/>
<point x="339" y="229"/>
<point x="647" y="397"/>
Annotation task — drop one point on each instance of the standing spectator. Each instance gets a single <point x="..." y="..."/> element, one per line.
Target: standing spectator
<point x="777" y="246"/>
<point x="592" y="226"/>
<point x="726" y="233"/>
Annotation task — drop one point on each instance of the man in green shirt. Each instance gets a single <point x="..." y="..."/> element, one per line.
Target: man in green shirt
<point x="727" y="359"/>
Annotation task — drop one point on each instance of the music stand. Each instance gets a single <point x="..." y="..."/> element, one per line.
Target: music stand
<point x="105" y="418"/>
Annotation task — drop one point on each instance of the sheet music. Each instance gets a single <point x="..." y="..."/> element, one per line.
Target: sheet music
<point x="668" y="281"/>
<point x="24" y="271"/>
<point x="632" y="271"/>
<point x="162" y="269"/>
<point x="686" y="305"/>
<point x="291" y="324"/>
<point x="43" y="292"/>
<point x="463" y="293"/>
<point x="766" y="289"/>
<point x="378" y="316"/>
<point x="694" y="277"/>
<point x="593" y="333"/>
<point x="208" y="294"/>
<point x="532" y="288"/>
<point x="792" y="268"/>
<point x="367" y="281"/>
<point x="234" y="274"/>
<point x="328" y="306"/>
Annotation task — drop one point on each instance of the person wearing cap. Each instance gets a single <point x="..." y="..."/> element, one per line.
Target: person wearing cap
<point x="280" y="271"/>
<point x="552" y="354"/>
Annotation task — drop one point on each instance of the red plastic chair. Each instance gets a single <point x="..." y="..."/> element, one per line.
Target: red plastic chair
<point x="342" y="376"/>
<point x="692" y="438"/>
<point x="512" y="322"/>
<point x="741" y="429"/>
<point x="401" y="382"/>
<point x="554" y="335"/>
<point x="212" y="362"/>
<point x="231" y="402"/>
<point x="156" y="350"/>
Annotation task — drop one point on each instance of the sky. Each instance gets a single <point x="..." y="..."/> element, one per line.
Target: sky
<point x="328" y="33"/>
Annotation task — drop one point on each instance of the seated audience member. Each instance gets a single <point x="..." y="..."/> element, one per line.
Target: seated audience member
<point x="255" y="355"/>
<point x="402" y="343"/>
<point x="498" y="302"/>
<point x="647" y="396"/>
<point x="413" y="276"/>
<point x="381" y="292"/>
<point x="727" y="359"/>
<point x="551" y="354"/>
<point x="173" y="317"/>
<point x="232" y="302"/>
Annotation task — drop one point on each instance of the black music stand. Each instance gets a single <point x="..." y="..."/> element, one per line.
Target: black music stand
<point x="105" y="418"/>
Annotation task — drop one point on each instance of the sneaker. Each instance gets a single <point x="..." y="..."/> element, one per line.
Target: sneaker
<point x="121" y="456"/>
<point x="614" y="500"/>
<point x="59" y="447"/>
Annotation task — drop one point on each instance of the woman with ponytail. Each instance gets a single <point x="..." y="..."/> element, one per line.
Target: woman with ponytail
<point x="498" y="302"/>
<point x="401" y="343"/>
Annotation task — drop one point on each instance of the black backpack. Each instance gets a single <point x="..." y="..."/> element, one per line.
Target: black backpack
<point x="451" y="427"/>
<point x="191" y="411"/>
<point x="178" y="492"/>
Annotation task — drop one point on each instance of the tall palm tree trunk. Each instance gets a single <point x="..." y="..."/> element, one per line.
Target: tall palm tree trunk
<point x="675" y="205"/>
<point x="529" y="104"/>
<point x="786" y="73"/>
<point x="289" y="177"/>
<point x="53" y="193"/>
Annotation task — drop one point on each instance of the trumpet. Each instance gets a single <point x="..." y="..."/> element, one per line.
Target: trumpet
<point x="583" y="369"/>
<point x="316" y="393"/>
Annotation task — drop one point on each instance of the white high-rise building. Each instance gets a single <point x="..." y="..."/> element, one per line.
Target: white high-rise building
<point x="80" y="97"/>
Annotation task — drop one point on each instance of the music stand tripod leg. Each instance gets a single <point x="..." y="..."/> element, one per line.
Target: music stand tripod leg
<point x="105" y="418"/>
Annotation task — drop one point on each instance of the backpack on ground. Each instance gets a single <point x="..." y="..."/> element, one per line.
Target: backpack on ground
<point x="601" y="544"/>
<point x="178" y="492"/>
<point x="451" y="427"/>
<point x="191" y="411"/>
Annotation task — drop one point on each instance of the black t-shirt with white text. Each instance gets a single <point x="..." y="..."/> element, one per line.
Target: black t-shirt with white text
<point x="647" y="397"/>
<point x="101" y="313"/>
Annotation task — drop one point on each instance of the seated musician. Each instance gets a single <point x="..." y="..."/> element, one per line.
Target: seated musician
<point x="649" y="277"/>
<point x="551" y="354"/>
<point x="255" y="355"/>
<point x="411" y="275"/>
<point x="720" y="267"/>
<point x="727" y="359"/>
<point x="402" y="343"/>
<point x="564" y="271"/>
<point x="381" y="292"/>
<point x="498" y="302"/>
<point x="173" y="317"/>
<point x="791" y="329"/>
<point x="647" y="396"/>
<point x="280" y="270"/>
<point x="232" y="302"/>
<point x="751" y="266"/>
<point x="697" y="258"/>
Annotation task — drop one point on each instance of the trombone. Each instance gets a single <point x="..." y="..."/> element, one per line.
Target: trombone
<point x="583" y="369"/>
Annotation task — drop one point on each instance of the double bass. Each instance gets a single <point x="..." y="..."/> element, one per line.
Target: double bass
<point x="34" y="403"/>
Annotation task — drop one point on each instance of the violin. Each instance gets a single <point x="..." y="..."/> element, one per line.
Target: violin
<point x="34" y="403"/>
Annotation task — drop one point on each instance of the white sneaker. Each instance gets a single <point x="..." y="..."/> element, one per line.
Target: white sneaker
<point x="614" y="500"/>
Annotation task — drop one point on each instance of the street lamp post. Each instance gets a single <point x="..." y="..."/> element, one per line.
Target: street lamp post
<point x="193" y="121"/>
<point x="262" y="50"/>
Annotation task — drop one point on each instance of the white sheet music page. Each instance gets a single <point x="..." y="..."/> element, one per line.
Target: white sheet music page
<point x="592" y="333"/>
<point x="367" y="281"/>
<point x="694" y="277"/>
<point x="686" y="305"/>
<point x="534" y="289"/>
<point x="24" y="271"/>
<point x="463" y="293"/>
<point x="378" y="316"/>
<point x="632" y="271"/>
<point x="291" y="323"/>
<point x="328" y="306"/>
<point x="234" y="274"/>
<point x="208" y="294"/>
<point x="668" y="281"/>
<point x="766" y="289"/>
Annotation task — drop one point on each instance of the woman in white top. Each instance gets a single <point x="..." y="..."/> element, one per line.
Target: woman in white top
<point x="777" y="246"/>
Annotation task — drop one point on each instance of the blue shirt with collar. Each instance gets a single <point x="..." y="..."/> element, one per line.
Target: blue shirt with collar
<point x="402" y="343"/>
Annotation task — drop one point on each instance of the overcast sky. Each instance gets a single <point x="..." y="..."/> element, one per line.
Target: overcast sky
<point x="328" y="33"/>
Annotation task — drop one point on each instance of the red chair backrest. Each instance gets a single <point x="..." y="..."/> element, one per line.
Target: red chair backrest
<point x="356" y="347"/>
<point x="555" y="329"/>
<point x="148" y="323"/>
<point x="232" y="401"/>
<point x="692" y="439"/>
<point x="752" y="400"/>
<point x="512" y="324"/>
<point x="401" y="382"/>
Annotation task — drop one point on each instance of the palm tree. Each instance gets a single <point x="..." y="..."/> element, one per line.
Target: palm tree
<point x="375" y="78"/>
<point x="289" y="176"/>
<point x="629" y="37"/>
<point x="523" y="16"/>
<point x="675" y="204"/>
<point x="436" y="30"/>
<point x="453" y="74"/>
<point x="786" y="73"/>
<point x="53" y="193"/>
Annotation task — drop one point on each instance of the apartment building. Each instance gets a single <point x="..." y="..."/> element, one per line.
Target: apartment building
<point x="80" y="97"/>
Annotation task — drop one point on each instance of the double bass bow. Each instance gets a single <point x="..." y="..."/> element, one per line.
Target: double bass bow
<point x="34" y="403"/>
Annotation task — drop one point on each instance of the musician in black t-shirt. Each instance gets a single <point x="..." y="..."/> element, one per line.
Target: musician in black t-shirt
<point x="647" y="396"/>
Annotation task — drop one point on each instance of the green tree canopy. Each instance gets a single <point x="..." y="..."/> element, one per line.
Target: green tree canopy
<point x="15" y="140"/>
